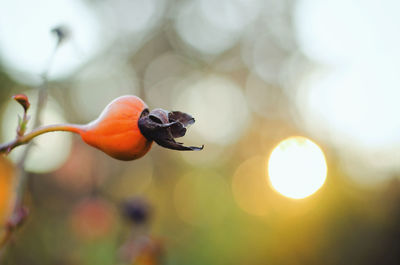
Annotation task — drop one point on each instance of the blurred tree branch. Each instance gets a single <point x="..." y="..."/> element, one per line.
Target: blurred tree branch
<point x="20" y="213"/>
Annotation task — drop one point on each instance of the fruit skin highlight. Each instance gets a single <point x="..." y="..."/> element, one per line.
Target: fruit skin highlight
<point x="116" y="131"/>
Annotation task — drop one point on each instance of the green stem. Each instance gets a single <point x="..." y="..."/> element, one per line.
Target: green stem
<point x="7" y="147"/>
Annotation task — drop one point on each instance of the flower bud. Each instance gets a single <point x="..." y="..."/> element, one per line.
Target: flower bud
<point x="137" y="210"/>
<point x="23" y="100"/>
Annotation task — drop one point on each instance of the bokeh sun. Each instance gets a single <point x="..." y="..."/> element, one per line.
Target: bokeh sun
<point x="297" y="167"/>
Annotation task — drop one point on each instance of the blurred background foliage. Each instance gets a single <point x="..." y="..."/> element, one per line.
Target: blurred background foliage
<point x="252" y="73"/>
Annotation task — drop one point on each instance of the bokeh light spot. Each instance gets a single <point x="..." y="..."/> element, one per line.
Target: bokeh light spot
<point x="92" y="218"/>
<point x="264" y="98"/>
<point x="220" y="109"/>
<point x="209" y="36"/>
<point x="353" y="103"/>
<point x="100" y="84"/>
<point x="161" y="76"/>
<point x="323" y="25"/>
<point x="132" y="16"/>
<point x="297" y="167"/>
<point x="26" y="43"/>
<point x="341" y="101"/>
<point x="356" y="114"/>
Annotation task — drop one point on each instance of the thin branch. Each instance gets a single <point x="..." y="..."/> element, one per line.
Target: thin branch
<point x="19" y="213"/>
<point x="7" y="147"/>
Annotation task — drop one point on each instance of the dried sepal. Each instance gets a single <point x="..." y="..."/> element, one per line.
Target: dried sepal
<point x="182" y="117"/>
<point x="163" y="126"/>
<point x="184" y="120"/>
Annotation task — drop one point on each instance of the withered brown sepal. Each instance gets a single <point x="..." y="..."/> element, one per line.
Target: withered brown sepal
<point x="164" y="126"/>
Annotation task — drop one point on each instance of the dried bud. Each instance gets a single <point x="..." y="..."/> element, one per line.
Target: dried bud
<point x="136" y="210"/>
<point x="62" y="33"/>
<point x="23" y="100"/>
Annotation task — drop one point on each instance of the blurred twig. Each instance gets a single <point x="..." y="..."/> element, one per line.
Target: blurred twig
<point x="41" y="104"/>
<point x="19" y="212"/>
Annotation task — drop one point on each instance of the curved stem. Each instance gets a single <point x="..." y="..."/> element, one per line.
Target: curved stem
<point x="7" y="147"/>
<point x="51" y="128"/>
